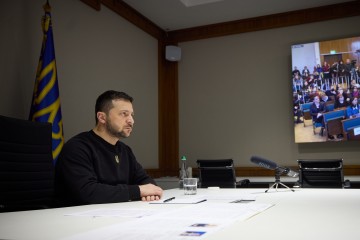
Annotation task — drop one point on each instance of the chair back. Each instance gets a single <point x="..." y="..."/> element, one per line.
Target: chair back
<point x="321" y="173"/>
<point x="305" y="111"/>
<point x="332" y="115"/>
<point x="348" y="126"/>
<point x="329" y="106"/>
<point x="216" y="173"/>
<point x="26" y="166"/>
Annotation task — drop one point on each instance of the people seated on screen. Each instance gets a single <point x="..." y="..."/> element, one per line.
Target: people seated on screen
<point x="331" y="92"/>
<point x="314" y="91"/>
<point x="311" y="82"/>
<point x="348" y="92"/>
<point x="97" y="166"/>
<point x="340" y="102"/>
<point x="297" y="100"/>
<point x="352" y="110"/>
<point x="340" y="90"/>
<point x="355" y="92"/>
<point x="317" y="109"/>
<point x="325" y="98"/>
<point x="339" y="87"/>
<point x="354" y="84"/>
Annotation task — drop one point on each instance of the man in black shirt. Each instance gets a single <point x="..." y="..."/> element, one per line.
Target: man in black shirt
<point x="96" y="167"/>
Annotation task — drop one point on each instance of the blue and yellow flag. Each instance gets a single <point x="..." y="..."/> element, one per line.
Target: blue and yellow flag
<point x="45" y="105"/>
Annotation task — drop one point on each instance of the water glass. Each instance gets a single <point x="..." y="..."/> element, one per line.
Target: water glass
<point x="190" y="186"/>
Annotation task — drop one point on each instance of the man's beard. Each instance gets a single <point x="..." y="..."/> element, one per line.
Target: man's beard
<point x="113" y="132"/>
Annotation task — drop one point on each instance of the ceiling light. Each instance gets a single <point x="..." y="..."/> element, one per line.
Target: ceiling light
<point x="191" y="3"/>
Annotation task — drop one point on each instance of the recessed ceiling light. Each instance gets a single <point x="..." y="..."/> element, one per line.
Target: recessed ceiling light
<point x="191" y="3"/>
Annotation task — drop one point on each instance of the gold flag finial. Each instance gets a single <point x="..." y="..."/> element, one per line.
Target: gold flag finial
<point x="47" y="7"/>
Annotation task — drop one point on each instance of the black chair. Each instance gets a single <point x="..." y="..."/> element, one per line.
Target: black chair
<point x="26" y="165"/>
<point x="327" y="173"/>
<point x="218" y="173"/>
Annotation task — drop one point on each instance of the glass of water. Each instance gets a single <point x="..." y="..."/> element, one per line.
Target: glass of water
<point x="190" y="186"/>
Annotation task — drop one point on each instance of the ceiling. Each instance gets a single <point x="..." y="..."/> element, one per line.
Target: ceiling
<point x="172" y="15"/>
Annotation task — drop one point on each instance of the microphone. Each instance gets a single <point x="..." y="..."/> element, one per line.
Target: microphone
<point x="290" y="172"/>
<point x="265" y="163"/>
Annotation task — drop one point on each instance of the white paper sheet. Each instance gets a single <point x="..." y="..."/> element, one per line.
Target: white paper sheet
<point x="189" y="222"/>
<point x="182" y="200"/>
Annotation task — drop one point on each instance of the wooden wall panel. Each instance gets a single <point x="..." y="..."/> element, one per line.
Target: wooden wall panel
<point x="347" y="47"/>
<point x="340" y="45"/>
<point x="168" y="114"/>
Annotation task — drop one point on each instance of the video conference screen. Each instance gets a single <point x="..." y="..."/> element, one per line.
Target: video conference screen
<point x="326" y="87"/>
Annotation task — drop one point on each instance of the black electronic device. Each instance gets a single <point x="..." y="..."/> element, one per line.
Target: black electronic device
<point x="265" y="163"/>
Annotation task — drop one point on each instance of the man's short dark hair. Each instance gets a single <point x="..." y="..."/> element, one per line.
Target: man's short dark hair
<point x="104" y="101"/>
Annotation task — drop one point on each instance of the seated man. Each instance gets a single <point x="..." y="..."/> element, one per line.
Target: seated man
<point x="317" y="109"/>
<point x="96" y="167"/>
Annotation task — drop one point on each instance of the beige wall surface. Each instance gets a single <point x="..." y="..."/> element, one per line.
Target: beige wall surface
<point x="235" y="96"/>
<point x="234" y="92"/>
<point x="95" y="51"/>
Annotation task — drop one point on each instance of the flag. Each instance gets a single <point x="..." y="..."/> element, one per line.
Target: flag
<point x="45" y="106"/>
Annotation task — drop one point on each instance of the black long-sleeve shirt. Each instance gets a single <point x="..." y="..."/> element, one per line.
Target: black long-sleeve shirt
<point x="90" y="170"/>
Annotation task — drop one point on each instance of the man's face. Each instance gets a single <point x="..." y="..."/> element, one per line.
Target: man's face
<point x="120" y="119"/>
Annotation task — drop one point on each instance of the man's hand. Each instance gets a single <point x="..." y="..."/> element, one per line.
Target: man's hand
<point x="150" y="192"/>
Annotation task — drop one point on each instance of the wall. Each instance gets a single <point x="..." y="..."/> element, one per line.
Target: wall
<point x="95" y="51"/>
<point x="235" y="96"/>
<point x="234" y="92"/>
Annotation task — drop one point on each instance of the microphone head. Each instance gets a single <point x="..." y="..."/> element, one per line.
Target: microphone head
<point x="263" y="162"/>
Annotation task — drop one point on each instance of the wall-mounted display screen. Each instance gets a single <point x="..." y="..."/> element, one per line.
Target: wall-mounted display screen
<point x="326" y="88"/>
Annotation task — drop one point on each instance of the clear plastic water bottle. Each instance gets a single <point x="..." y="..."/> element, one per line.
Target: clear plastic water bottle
<point x="183" y="172"/>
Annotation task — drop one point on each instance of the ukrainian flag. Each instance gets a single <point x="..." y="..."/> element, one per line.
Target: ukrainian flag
<point x="45" y="105"/>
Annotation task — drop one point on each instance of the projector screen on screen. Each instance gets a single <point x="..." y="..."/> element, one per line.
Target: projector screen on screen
<point x="326" y="87"/>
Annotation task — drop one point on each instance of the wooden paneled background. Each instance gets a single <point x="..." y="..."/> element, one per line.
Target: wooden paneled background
<point x="346" y="47"/>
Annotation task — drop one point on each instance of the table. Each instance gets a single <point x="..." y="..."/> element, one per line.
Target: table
<point x="303" y="214"/>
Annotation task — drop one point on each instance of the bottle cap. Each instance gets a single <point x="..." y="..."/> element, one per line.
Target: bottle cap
<point x="183" y="158"/>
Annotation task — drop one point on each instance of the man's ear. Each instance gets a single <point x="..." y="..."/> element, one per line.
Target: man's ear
<point x="101" y="116"/>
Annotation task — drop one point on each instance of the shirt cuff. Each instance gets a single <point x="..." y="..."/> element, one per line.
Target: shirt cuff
<point x="134" y="192"/>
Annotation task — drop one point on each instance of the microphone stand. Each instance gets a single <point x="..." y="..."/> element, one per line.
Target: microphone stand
<point x="278" y="172"/>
